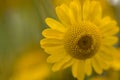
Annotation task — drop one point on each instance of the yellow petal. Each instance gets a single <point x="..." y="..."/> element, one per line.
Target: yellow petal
<point x="56" y="57"/>
<point x="103" y="63"/>
<point x="105" y="21"/>
<point x="105" y="56"/>
<point x="55" y="24"/>
<point x="63" y="14"/>
<point x="108" y="50"/>
<point x="47" y="42"/>
<point x="81" y="70"/>
<point x="78" y="69"/>
<point x="113" y="31"/>
<point x="50" y="33"/>
<point x="68" y="64"/>
<point x="109" y="27"/>
<point x="110" y="41"/>
<point x="88" y="67"/>
<point x="96" y="66"/>
<point x="86" y="9"/>
<point x="92" y="7"/>
<point x="74" y="68"/>
<point x="59" y="65"/>
<point x="55" y="49"/>
<point x="106" y="53"/>
<point x="75" y="7"/>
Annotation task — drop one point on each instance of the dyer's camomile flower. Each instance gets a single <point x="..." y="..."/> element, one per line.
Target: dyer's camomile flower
<point x="82" y="38"/>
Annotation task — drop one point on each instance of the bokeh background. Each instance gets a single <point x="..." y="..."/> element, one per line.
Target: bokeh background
<point x="21" y="24"/>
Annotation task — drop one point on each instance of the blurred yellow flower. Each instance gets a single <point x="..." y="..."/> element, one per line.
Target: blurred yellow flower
<point x="115" y="64"/>
<point x="83" y="38"/>
<point x="31" y="66"/>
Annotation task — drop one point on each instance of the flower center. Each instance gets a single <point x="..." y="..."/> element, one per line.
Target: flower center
<point x="83" y="40"/>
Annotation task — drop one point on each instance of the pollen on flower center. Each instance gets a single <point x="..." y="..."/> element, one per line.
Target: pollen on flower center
<point x="83" y="40"/>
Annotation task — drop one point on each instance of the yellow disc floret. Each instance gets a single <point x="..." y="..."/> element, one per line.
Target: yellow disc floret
<point x="82" y="40"/>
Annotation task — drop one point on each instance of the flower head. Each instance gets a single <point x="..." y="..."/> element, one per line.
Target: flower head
<point x="81" y="38"/>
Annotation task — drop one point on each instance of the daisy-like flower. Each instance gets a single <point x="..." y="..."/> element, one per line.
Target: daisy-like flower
<point x="82" y="38"/>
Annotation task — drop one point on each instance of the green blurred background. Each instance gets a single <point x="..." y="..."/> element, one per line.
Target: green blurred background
<point x="21" y="23"/>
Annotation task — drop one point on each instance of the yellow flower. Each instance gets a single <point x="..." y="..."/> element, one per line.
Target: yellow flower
<point x="82" y="38"/>
<point x="31" y="66"/>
